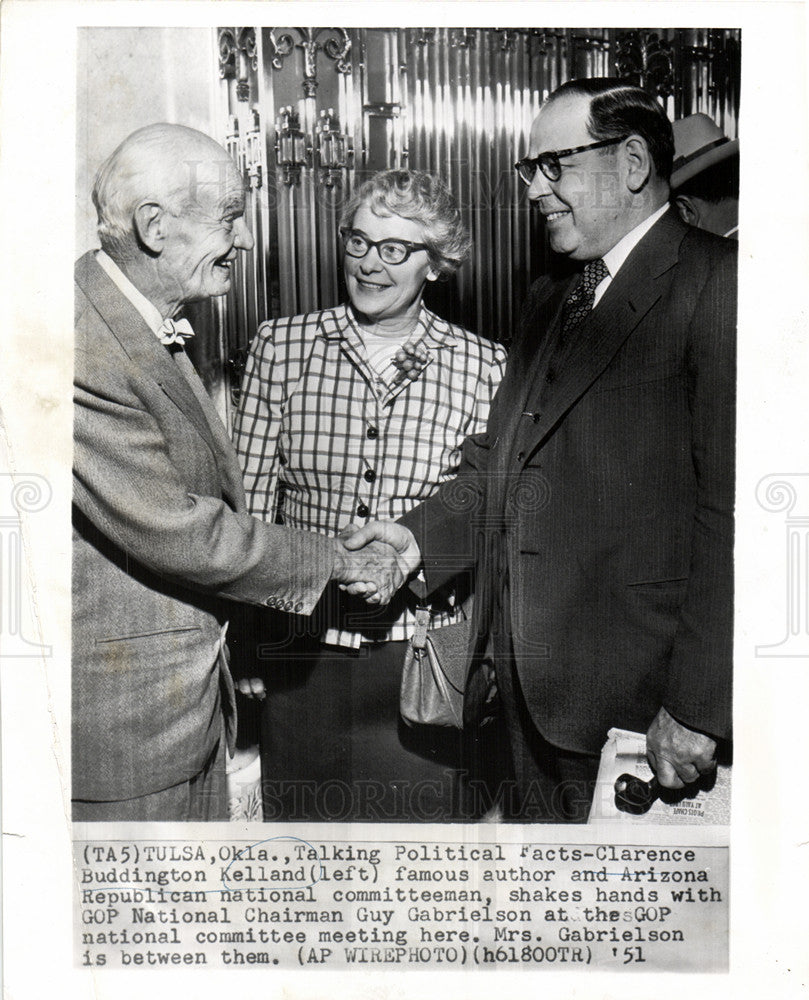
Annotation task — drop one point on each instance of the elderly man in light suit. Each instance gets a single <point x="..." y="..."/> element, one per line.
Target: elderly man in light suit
<point x="161" y="533"/>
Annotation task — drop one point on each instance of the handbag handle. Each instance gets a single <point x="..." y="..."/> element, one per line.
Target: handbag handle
<point x="423" y="619"/>
<point x="419" y="639"/>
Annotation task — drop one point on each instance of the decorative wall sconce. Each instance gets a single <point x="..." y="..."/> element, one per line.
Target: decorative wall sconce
<point x="334" y="42"/>
<point x="463" y="38"/>
<point x="646" y="60"/>
<point x="333" y="148"/>
<point x="232" y="139"/>
<point x="245" y="148"/>
<point x="238" y="55"/>
<point x="291" y="151"/>
<point x="252" y="144"/>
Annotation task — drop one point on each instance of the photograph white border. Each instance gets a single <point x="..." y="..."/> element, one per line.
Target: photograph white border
<point x="770" y="829"/>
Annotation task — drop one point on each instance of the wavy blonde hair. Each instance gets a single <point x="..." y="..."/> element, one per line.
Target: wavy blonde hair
<point x="424" y="198"/>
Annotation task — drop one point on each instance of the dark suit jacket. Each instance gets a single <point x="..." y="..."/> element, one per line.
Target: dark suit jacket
<point x="609" y="499"/>
<point x="161" y="535"/>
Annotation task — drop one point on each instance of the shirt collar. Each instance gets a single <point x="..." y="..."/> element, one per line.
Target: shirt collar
<point x="615" y="258"/>
<point x="147" y="309"/>
<point x="336" y="323"/>
<point x="436" y="331"/>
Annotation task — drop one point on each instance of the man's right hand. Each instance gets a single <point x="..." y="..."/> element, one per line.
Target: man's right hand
<point x="374" y="572"/>
<point x="367" y="550"/>
<point x="391" y="533"/>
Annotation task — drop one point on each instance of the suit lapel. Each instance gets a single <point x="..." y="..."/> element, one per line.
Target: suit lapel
<point x="139" y="343"/>
<point x="224" y="453"/>
<point x="525" y="359"/>
<point x="546" y="317"/>
<point x="629" y="297"/>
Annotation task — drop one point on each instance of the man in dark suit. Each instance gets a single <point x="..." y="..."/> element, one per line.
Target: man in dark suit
<point x="598" y="505"/>
<point x="161" y="532"/>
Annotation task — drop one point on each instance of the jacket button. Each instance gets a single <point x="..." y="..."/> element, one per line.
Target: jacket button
<point x="270" y="602"/>
<point x="298" y="607"/>
<point x="369" y="475"/>
<point x="536" y="417"/>
<point x="288" y="606"/>
<point x="372" y="432"/>
<point x="550" y="376"/>
<point x="520" y="456"/>
<point x="363" y="510"/>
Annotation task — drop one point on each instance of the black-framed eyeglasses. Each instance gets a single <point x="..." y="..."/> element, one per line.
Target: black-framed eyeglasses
<point x="549" y="163"/>
<point x="390" y="251"/>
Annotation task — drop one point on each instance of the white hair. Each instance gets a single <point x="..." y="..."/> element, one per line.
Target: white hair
<point x="152" y="162"/>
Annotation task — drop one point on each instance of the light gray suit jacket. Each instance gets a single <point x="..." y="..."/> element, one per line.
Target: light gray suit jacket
<point x="161" y="537"/>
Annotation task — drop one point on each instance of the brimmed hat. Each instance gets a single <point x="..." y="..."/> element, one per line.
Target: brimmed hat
<point x="699" y="143"/>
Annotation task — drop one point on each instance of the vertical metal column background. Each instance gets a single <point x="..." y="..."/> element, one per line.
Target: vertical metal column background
<point x="454" y="101"/>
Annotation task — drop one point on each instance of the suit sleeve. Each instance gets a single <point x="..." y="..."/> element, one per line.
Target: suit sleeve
<point x="698" y="691"/>
<point x="127" y="483"/>
<point x="444" y="525"/>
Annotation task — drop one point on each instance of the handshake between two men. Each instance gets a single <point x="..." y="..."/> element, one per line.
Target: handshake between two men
<point x="374" y="561"/>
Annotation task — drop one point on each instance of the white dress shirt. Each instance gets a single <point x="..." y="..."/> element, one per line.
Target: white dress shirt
<point x="147" y="309"/>
<point x="615" y="258"/>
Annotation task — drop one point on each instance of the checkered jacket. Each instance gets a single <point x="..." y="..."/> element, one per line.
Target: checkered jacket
<point x="325" y="441"/>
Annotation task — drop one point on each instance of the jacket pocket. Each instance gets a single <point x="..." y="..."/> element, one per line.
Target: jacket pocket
<point x="652" y="608"/>
<point x="631" y="378"/>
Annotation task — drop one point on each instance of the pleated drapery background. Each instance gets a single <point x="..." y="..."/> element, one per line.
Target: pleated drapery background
<point x="311" y="112"/>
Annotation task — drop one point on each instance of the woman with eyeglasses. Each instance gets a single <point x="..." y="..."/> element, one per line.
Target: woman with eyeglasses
<point x="347" y="414"/>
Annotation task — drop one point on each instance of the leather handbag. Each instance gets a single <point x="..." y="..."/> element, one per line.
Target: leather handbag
<point x="434" y="674"/>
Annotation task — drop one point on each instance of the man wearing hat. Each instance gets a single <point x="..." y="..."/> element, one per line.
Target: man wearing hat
<point x="705" y="177"/>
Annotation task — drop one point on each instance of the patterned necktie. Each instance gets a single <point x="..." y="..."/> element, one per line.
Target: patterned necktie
<point x="580" y="301"/>
<point x="175" y="331"/>
<point x="577" y="305"/>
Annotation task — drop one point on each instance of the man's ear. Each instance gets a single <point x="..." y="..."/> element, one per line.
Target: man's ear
<point x="639" y="163"/>
<point x="149" y="224"/>
<point x="688" y="209"/>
